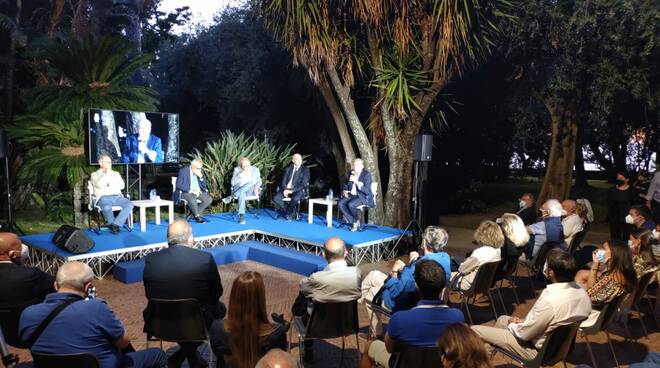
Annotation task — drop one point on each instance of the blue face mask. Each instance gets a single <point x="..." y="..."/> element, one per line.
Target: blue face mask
<point x="600" y="256"/>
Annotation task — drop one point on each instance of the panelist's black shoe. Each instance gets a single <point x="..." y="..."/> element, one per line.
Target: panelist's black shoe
<point x="279" y="318"/>
<point x="200" y="219"/>
<point x="114" y="228"/>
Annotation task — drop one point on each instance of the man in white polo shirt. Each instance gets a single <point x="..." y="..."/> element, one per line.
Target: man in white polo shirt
<point x="108" y="185"/>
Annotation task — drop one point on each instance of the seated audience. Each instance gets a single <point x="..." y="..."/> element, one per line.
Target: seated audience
<point x="549" y="229"/>
<point x="618" y="276"/>
<point x="277" y="358"/>
<point x="490" y="239"/>
<point x="527" y="209"/>
<point x="398" y="291"/>
<point x="641" y="245"/>
<point x="294" y="186"/>
<point x="336" y="283"/>
<point x="20" y="286"/>
<point x="561" y="303"/>
<point x="584" y="210"/>
<point x="81" y="324"/>
<point x="652" y="360"/>
<point x="515" y="237"/>
<point x="247" y="334"/>
<point x="420" y="326"/>
<point x="181" y="272"/>
<point x="571" y="223"/>
<point x="640" y="217"/>
<point x="460" y="347"/>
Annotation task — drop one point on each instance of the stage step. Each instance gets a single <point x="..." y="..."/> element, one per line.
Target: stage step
<point x="305" y="264"/>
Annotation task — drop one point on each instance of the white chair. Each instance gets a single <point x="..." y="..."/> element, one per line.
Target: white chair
<point x="248" y="199"/>
<point x="364" y="208"/>
<point x="95" y="208"/>
<point x="182" y="200"/>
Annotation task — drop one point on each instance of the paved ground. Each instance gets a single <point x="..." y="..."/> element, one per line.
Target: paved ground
<point x="128" y="302"/>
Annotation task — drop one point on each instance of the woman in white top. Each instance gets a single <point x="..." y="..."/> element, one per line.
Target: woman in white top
<point x="490" y="239"/>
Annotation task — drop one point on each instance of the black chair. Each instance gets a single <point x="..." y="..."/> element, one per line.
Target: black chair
<point x="637" y="296"/>
<point x="416" y="357"/>
<point x="182" y="202"/>
<point x="305" y="197"/>
<point x="535" y="265"/>
<point x="362" y="209"/>
<point x="8" y="359"/>
<point x="555" y="348"/>
<point x="328" y="320"/>
<point x="577" y="239"/>
<point x="482" y="284"/>
<point x="65" y="361"/>
<point x="9" y="323"/>
<point x="510" y="275"/>
<point x="605" y="317"/>
<point x="176" y="320"/>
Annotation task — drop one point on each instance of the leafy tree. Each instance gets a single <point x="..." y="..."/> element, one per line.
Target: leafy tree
<point x="399" y="55"/>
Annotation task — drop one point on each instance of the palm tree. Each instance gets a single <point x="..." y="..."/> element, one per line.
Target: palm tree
<point x="83" y="73"/>
<point x="408" y="50"/>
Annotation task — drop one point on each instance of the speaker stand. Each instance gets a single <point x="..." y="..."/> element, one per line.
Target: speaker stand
<point x="414" y="227"/>
<point x="10" y="226"/>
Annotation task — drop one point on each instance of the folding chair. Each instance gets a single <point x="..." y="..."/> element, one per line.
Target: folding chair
<point x="176" y="320"/>
<point x="65" y="360"/>
<point x="95" y="209"/>
<point x="577" y="239"/>
<point x="328" y="320"/>
<point x="605" y="317"/>
<point x="510" y="275"/>
<point x="362" y="210"/>
<point x="482" y="284"/>
<point x="535" y="265"/>
<point x="416" y="357"/>
<point x="637" y="296"/>
<point x="305" y="197"/>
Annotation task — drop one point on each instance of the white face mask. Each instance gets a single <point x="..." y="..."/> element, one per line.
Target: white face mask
<point x="656" y="234"/>
<point x="522" y="204"/>
<point x="630" y="243"/>
<point x="545" y="270"/>
<point x="564" y="213"/>
<point x="629" y="219"/>
<point x="25" y="252"/>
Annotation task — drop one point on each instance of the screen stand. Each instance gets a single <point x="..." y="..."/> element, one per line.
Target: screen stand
<point x="136" y="182"/>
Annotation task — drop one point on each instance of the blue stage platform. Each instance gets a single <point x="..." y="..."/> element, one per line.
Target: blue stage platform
<point x="373" y="244"/>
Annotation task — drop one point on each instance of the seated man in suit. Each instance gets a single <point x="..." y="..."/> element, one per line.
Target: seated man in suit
<point x="245" y="181"/>
<point x="181" y="272"/>
<point x="356" y="192"/>
<point x="20" y="286"/>
<point x="294" y="184"/>
<point x="336" y="283"/>
<point x="143" y="147"/>
<point x="80" y="323"/>
<point x="108" y="185"/>
<point x="191" y="186"/>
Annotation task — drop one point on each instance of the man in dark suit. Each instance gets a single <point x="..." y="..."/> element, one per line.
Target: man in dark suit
<point x="191" y="186"/>
<point x="143" y="147"/>
<point x="527" y="209"/>
<point x="295" y="182"/>
<point x="356" y="192"/>
<point x="181" y="272"/>
<point x="20" y="286"/>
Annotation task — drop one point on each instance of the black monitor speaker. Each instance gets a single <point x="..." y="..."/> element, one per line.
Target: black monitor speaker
<point x="4" y="143"/>
<point x="423" y="147"/>
<point x="72" y="239"/>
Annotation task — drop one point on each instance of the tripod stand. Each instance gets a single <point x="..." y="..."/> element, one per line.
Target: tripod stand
<point x="10" y="225"/>
<point x="414" y="227"/>
<point x="8" y="359"/>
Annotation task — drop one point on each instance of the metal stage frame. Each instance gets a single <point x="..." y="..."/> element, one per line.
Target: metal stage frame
<point x="102" y="262"/>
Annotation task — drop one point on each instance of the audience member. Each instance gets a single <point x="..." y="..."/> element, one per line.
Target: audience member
<point x="515" y="236"/>
<point x="181" y="272"/>
<point x="460" y="347"/>
<point x="549" y="229"/>
<point x="70" y="322"/>
<point x="527" y="209"/>
<point x="336" y="283"/>
<point x="420" y="326"/>
<point x="653" y="196"/>
<point x="398" y="291"/>
<point x="584" y="210"/>
<point x="20" y="286"/>
<point x="619" y="199"/>
<point x="277" y="358"/>
<point x="640" y="217"/>
<point x="617" y="278"/>
<point x="641" y="187"/>
<point x="490" y="239"/>
<point x="561" y="303"/>
<point x="652" y="360"/>
<point x="571" y="223"/>
<point x="641" y="245"/>
<point x="247" y="334"/>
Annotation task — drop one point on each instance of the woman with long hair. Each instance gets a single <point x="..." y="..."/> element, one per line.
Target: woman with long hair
<point x="515" y="237"/>
<point x="489" y="239"/>
<point x="641" y="245"/>
<point x="460" y="347"/>
<point x="247" y="334"/>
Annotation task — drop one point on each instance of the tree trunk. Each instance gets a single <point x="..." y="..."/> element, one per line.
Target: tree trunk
<point x="78" y="219"/>
<point x="559" y="168"/>
<point x="580" y="172"/>
<point x="340" y="123"/>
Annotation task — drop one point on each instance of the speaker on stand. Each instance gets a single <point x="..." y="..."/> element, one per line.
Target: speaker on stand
<point x="4" y="154"/>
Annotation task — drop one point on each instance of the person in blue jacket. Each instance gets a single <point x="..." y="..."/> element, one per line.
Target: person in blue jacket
<point x="397" y="291"/>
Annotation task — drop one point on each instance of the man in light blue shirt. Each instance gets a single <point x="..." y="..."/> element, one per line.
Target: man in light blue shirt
<point x="245" y="182"/>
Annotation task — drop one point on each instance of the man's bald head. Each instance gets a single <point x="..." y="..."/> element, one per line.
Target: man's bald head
<point x="10" y="246"/>
<point x="296" y="159"/>
<point x="179" y="232"/>
<point x="74" y="276"/>
<point x="276" y="358"/>
<point x="334" y="249"/>
<point x="569" y="206"/>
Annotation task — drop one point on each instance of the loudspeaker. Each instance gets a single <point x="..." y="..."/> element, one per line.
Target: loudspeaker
<point x="72" y="239"/>
<point x="423" y="147"/>
<point x="4" y="143"/>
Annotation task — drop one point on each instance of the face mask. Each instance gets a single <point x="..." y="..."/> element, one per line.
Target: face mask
<point x="629" y="219"/>
<point x="545" y="270"/>
<point x="600" y="256"/>
<point x="656" y="234"/>
<point x="25" y="252"/>
<point x="630" y="243"/>
<point x="522" y="204"/>
<point x="564" y="213"/>
<point x="620" y="182"/>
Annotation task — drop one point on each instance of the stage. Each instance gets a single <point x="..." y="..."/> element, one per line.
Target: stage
<point x="373" y="244"/>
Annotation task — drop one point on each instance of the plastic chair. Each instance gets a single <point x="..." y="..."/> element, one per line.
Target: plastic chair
<point x="328" y="320"/>
<point x="605" y="317"/>
<point x="362" y="209"/>
<point x="416" y="357"/>
<point x="555" y="348"/>
<point x="96" y="210"/>
<point x="637" y="296"/>
<point x="482" y="284"/>
<point x="65" y="360"/>
<point x="182" y="201"/>
<point x="176" y="320"/>
<point x="9" y="322"/>
<point x="305" y="197"/>
<point x="248" y="199"/>
<point x="510" y="275"/>
<point x="535" y="265"/>
<point x="577" y="239"/>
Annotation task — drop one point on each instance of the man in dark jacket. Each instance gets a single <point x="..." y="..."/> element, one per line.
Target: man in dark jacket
<point x="294" y="185"/>
<point x="356" y="192"/>
<point x="191" y="187"/>
<point x="527" y="209"/>
<point x="181" y="272"/>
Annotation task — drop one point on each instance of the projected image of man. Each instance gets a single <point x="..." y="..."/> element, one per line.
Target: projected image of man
<point x="143" y="147"/>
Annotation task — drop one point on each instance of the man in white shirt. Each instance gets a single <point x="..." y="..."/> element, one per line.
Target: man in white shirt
<point x="563" y="302"/>
<point x="107" y="185"/>
<point x="245" y="181"/>
<point x="572" y="223"/>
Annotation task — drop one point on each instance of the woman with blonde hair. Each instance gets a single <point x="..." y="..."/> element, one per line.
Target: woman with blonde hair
<point x="515" y="237"/>
<point x="460" y="347"/>
<point x="490" y="239"/>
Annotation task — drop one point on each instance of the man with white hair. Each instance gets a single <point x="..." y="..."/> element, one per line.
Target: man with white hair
<point x="142" y="147"/>
<point x="107" y="185"/>
<point x="245" y="182"/>
<point x="572" y="222"/>
<point x="356" y="192"/>
<point x="71" y="321"/>
<point x="549" y="229"/>
<point x="191" y="187"/>
<point x="294" y="185"/>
